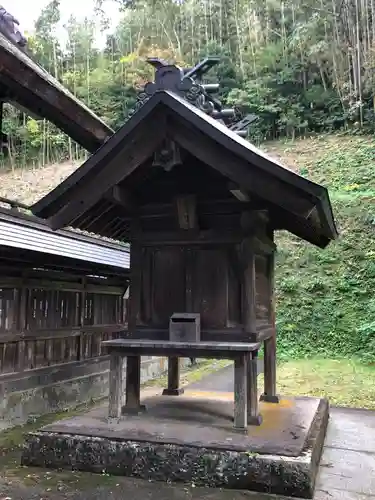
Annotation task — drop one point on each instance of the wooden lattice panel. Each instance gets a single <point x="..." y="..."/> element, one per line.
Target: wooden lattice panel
<point x="56" y="323"/>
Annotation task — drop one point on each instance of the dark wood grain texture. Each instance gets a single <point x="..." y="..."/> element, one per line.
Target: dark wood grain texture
<point x="133" y="385"/>
<point x="45" y="323"/>
<point x="296" y="204"/>
<point x="201" y="234"/>
<point x="253" y="416"/>
<point x="269" y="395"/>
<point x="240" y="392"/>
<point x="115" y="386"/>
<point x="173" y="388"/>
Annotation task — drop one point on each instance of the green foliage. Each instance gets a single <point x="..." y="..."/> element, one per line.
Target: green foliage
<point x="325" y="301"/>
<point x="286" y="62"/>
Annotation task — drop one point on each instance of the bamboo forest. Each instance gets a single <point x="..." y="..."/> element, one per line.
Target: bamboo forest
<point x="300" y="67"/>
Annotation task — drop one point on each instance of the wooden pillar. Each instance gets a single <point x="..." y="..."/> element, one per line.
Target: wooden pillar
<point x="269" y="395"/>
<point x="189" y="266"/>
<point x="173" y="388"/>
<point x="133" y="386"/>
<point x="253" y="416"/>
<point x="249" y="293"/>
<point x="135" y="284"/>
<point x="133" y="363"/>
<point x="82" y="337"/>
<point x="249" y="322"/>
<point x="240" y="392"/>
<point x="115" y="385"/>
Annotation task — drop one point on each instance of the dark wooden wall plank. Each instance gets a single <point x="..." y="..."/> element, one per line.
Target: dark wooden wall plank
<point x="55" y="322"/>
<point x="209" y="284"/>
<point x="234" y="289"/>
<point x="168" y="284"/>
<point x="263" y="298"/>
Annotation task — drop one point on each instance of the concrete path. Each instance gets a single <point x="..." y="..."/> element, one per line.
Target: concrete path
<point x="220" y="381"/>
<point x="347" y="470"/>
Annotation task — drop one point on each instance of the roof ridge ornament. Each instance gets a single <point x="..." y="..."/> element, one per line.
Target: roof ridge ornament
<point x="9" y="27"/>
<point x="187" y="83"/>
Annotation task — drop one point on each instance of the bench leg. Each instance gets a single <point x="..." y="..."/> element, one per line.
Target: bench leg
<point x="133" y="386"/>
<point x="269" y="394"/>
<point x="253" y="416"/>
<point x="173" y="388"/>
<point x="115" y="385"/>
<point x="240" y="392"/>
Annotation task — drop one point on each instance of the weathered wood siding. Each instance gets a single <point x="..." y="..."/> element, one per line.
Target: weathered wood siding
<point x="52" y="322"/>
<point x="203" y="280"/>
<point x="51" y="329"/>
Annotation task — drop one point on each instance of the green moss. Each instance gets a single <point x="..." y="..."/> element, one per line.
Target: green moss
<point x="54" y="480"/>
<point x="13" y="438"/>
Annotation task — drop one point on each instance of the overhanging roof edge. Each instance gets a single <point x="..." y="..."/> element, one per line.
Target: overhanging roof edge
<point x="42" y="225"/>
<point x="219" y="133"/>
<point x="27" y="61"/>
<point x="319" y="192"/>
<point x="238" y="142"/>
<point x="19" y="231"/>
<point x="29" y="85"/>
<point x="60" y="190"/>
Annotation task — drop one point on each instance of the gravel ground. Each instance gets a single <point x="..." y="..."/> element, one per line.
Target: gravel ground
<point x="83" y="486"/>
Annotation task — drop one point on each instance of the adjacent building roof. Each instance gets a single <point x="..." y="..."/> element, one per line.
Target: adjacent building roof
<point x="22" y="234"/>
<point x="27" y="85"/>
<point x="295" y="203"/>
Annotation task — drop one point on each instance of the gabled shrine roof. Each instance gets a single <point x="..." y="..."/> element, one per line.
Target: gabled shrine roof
<point x="296" y="204"/>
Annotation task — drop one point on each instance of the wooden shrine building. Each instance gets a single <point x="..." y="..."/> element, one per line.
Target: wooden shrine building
<point x="61" y="295"/>
<point x="199" y="205"/>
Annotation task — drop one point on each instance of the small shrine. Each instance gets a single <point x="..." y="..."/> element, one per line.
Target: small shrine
<point x="199" y="205"/>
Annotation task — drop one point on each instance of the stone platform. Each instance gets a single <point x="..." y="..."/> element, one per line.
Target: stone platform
<point x="190" y="438"/>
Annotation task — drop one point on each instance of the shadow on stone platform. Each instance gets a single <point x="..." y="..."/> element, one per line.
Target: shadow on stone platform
<point x="191" y="438"/>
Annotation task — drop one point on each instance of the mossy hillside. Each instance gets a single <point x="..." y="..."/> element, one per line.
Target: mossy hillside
<point x="325" y="298"/>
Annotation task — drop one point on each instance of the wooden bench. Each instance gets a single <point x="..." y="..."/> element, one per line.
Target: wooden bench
<point x="245" y="373"/>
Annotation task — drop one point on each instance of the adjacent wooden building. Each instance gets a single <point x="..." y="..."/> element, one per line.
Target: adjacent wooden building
<point x="199" y="206"/>
<point x="61" y="294"/>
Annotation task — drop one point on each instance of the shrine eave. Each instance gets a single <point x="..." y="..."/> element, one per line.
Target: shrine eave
<point x="300" y="206"/>
<point x="29" y="87"/>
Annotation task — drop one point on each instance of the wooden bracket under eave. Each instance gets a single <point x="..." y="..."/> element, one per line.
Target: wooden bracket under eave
<point x="122" y="197"/>
<point x="238" y="193"/>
